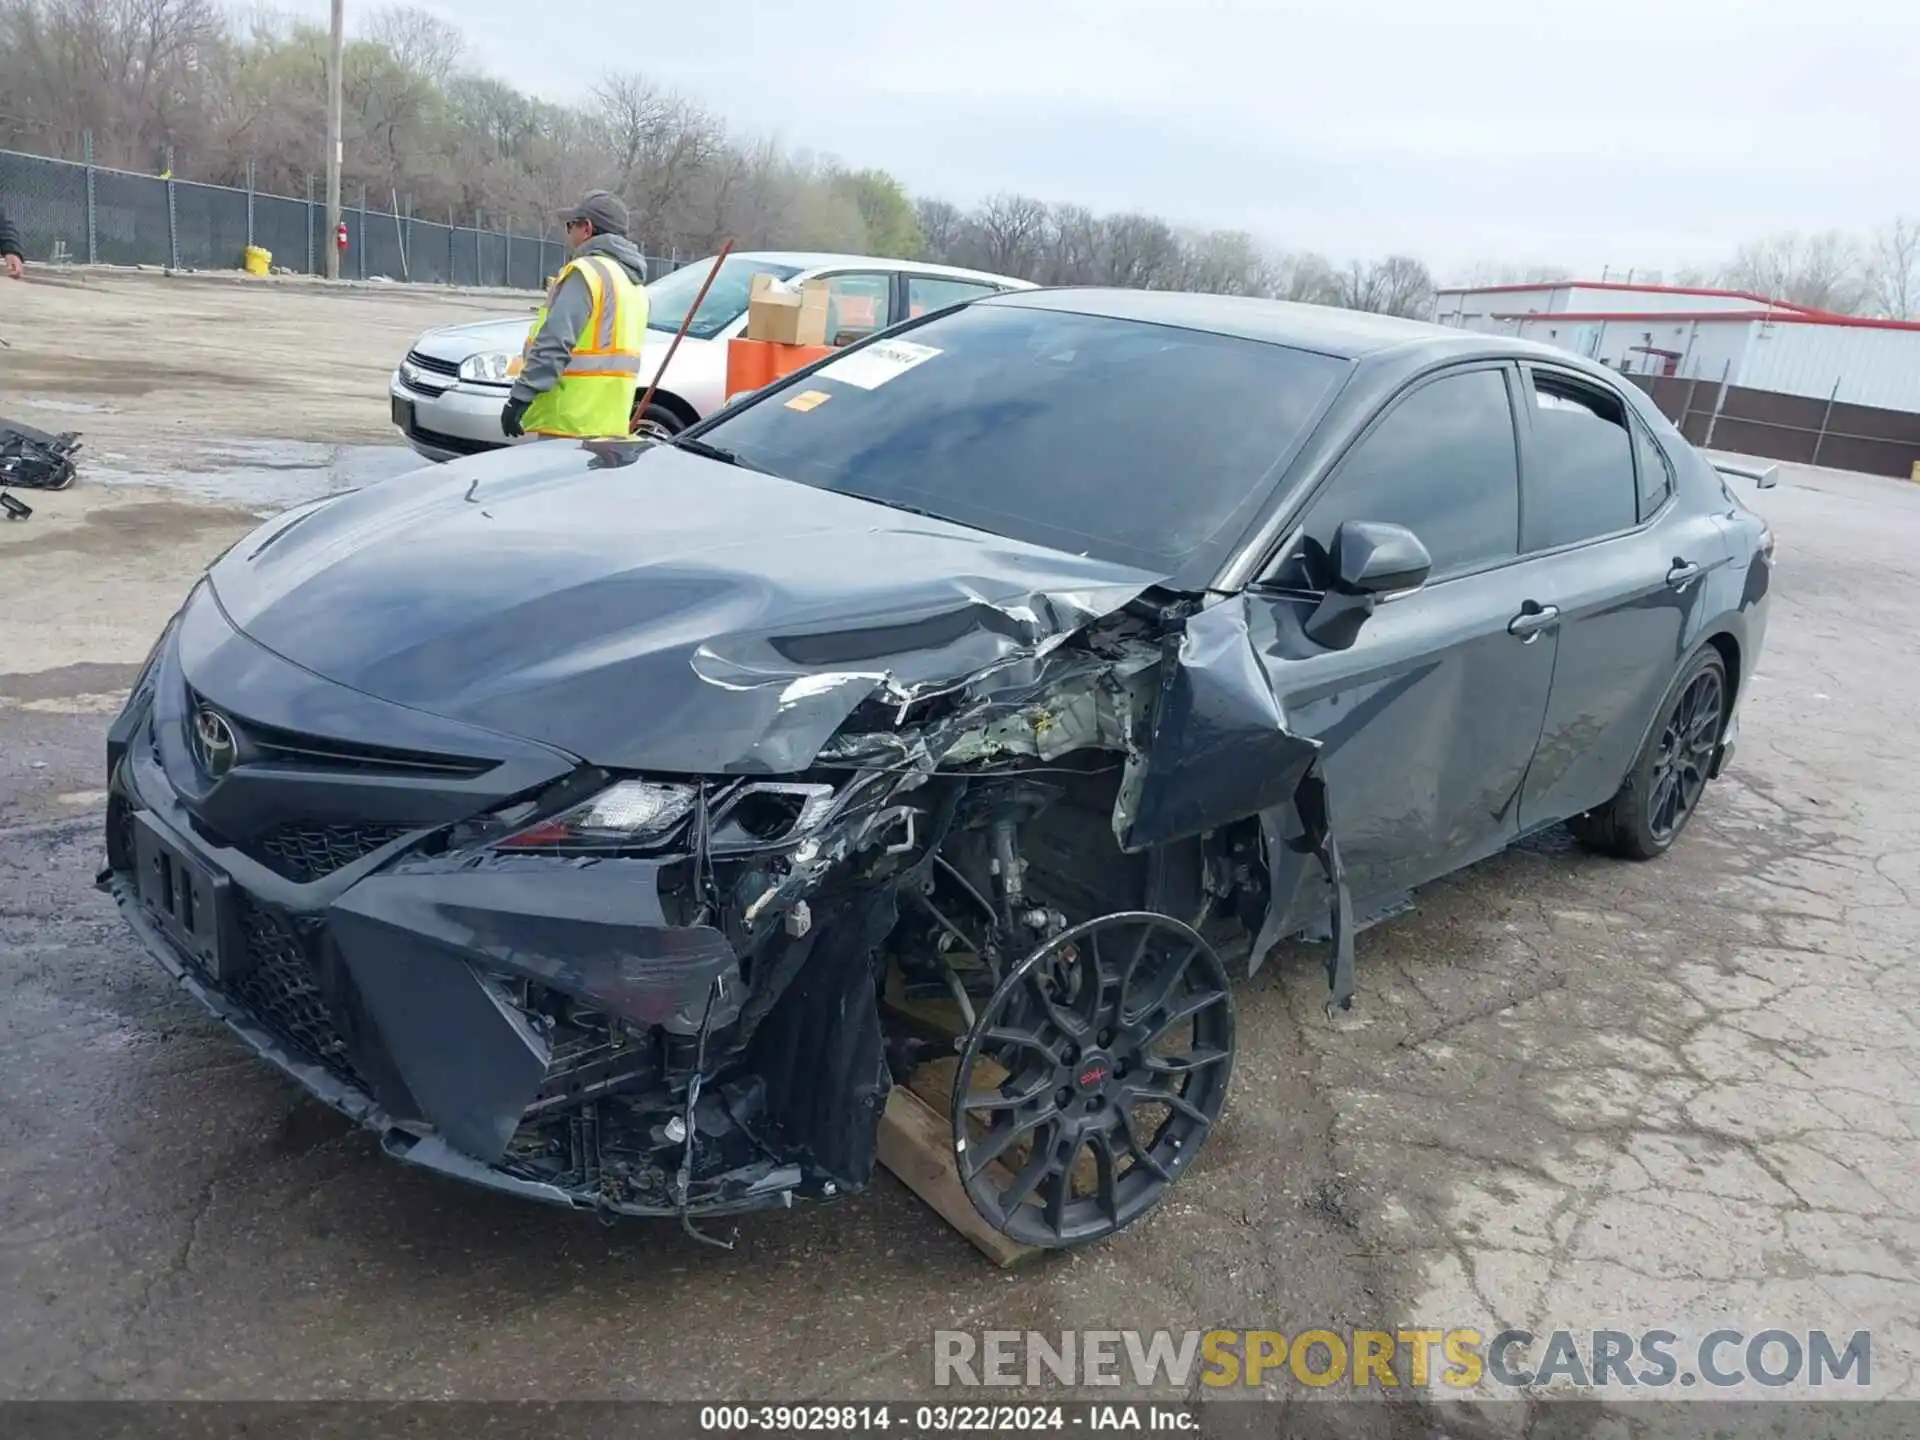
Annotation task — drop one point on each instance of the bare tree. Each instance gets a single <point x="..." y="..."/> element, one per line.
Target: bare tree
<point x="1011" y="229"/>
<point x="1821" y="271"/>
<point x="941" y="228"/>
<point x="123" y="69"/>
<point x="633" y="111"/>
<point x="1139" y="252"/>
<point x="1407" y="287"/>
<point x="420" y="42"/>
<point x="661" y="144"/>
<point x="1893" y="269"/>
<point x="1308" y="278"/>
<point x="1228" y="262"/>
<point x="1072" y="246"/>
<point x="1398" y="285"/>
<point x="231" y="95"/>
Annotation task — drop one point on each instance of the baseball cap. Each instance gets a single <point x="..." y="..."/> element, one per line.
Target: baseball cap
<point x="607" y="211"/>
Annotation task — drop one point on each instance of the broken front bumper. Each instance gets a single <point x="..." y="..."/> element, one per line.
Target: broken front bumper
<point x="399" y="989"/>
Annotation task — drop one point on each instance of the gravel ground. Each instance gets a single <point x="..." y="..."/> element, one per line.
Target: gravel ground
<point x="1574" y="1093"/>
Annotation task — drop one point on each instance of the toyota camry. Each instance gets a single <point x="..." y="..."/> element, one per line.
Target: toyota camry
<point x="615" y="824"/>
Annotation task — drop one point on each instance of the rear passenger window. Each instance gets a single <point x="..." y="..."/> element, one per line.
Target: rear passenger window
<point x="1656" y="471"/>
<point x="931" y="292"/>
<point x="1442" y="464"/>
<point x="1580" y="479"/>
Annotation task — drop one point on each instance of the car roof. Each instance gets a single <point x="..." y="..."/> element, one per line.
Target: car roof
<point x="1326" y="329"/>
<point x="829" y="260"/>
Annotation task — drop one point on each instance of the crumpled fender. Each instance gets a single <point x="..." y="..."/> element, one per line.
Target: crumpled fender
<point x="1221" y="751"/>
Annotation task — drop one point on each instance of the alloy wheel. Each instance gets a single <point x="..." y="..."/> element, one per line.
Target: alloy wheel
<point x="1685" y="755"/>
<point x="1092" y="1077"/>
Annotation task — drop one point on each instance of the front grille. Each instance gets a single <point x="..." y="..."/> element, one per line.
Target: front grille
<point x="262" y="743"/>
<point x="304" y="853"/>
<point x="278" y="988"/>
<point x="429" y="362"/>
<point x="426" y="376"/>
<point x="453" y="444"/>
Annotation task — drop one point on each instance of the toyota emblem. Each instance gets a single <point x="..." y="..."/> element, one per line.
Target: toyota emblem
<point x="214" y="745"/>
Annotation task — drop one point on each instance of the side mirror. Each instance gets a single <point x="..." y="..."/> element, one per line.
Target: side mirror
<point x="1369" y="560"/>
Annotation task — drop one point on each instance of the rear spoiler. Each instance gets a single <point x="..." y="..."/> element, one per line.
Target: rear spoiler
<point x="1764" y="477"/>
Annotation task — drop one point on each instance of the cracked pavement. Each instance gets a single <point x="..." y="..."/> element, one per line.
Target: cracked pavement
<point x="1574" y="1093"/>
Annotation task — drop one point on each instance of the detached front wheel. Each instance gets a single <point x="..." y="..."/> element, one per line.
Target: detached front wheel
<point x="1092" y="1077"/>
<point x="1669" y="775"/>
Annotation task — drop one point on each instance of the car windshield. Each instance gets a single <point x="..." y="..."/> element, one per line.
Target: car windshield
<point x="1122" y="440"/>
<point x="669" y="297"/>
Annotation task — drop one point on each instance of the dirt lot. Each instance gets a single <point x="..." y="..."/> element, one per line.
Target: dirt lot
<point x="1574" y="1093"/>
<point x="256" y="393"/>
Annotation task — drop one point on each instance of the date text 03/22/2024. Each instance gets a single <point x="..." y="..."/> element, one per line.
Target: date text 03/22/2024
<point x="909" y="1421"/>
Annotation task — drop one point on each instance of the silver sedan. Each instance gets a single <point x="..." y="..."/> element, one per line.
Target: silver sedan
<point x="448" y="392"/>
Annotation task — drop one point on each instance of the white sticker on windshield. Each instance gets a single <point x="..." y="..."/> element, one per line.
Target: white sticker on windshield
<point x="878" y="363"/>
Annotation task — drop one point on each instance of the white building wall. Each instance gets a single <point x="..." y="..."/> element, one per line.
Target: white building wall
<point x="1465" y="307"/>
<point x="1717" y="348"/>
<point x="1706" y="348"/>
<point x="1873" y="366"/>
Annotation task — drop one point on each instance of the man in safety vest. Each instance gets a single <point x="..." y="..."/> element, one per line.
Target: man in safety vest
<point x="580" y="368"/>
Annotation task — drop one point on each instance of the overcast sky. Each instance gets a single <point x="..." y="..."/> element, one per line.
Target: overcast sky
<point x="1649" y="133"/>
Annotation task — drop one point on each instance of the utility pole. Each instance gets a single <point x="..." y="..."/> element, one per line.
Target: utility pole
<point x="333" y="139"/>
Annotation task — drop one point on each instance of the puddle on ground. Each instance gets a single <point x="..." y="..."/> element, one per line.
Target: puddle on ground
<point x="65" y="407"/>
<point x="266" y="476"/>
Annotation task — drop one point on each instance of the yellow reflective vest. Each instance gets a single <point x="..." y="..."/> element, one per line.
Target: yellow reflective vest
<point x="595" y="393"/>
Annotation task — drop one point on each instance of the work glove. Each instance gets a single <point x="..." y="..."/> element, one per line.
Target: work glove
<point x="510" y="418"/>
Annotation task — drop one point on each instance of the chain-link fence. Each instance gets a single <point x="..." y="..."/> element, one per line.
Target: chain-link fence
<point x="75" y="213"/>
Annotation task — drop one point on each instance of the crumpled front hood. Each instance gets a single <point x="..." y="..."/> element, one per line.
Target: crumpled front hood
<point x="644" y="608"/>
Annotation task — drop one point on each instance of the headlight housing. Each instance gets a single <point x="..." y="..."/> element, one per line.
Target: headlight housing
<point x="766" y="816"/>
<point x="632" y="812"/>
<point x="744" y="817"/>
<point x="494" y="367"/>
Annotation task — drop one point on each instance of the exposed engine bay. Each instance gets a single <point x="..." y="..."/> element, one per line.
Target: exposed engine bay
<point x="633" y="874"/>
<point x="956" y="880"/>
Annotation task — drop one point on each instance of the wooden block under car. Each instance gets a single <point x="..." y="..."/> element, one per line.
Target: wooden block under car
<point x="916" y="1144"/>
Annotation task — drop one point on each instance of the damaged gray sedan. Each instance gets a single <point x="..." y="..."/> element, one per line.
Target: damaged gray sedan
<point x="614" y="824"/>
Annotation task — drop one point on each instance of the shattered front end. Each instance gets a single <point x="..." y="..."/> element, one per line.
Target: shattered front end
<point x="517" y="969"/>
<point x="677" y="994"/>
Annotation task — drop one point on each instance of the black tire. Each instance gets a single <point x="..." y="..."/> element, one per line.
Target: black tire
<point x="1061" y="1056"/>
<point x="658" y="417"/>
<point x="1669" y="775"/>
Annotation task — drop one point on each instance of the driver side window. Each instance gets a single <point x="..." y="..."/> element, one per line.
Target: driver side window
<point x="1444" y="463"/>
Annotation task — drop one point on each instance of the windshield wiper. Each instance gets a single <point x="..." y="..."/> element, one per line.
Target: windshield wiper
<point x="716" y="452"/>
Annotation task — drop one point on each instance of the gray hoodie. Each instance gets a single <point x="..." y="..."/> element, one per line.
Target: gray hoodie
<point x="567" y="313"/>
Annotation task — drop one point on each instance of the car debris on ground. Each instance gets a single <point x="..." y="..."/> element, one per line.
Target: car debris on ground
<point x="33" y="459"/>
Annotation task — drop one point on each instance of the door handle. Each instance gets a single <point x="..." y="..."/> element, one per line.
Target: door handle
<point x="1532" y="619"/>
<point x="1682" y="573"/>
